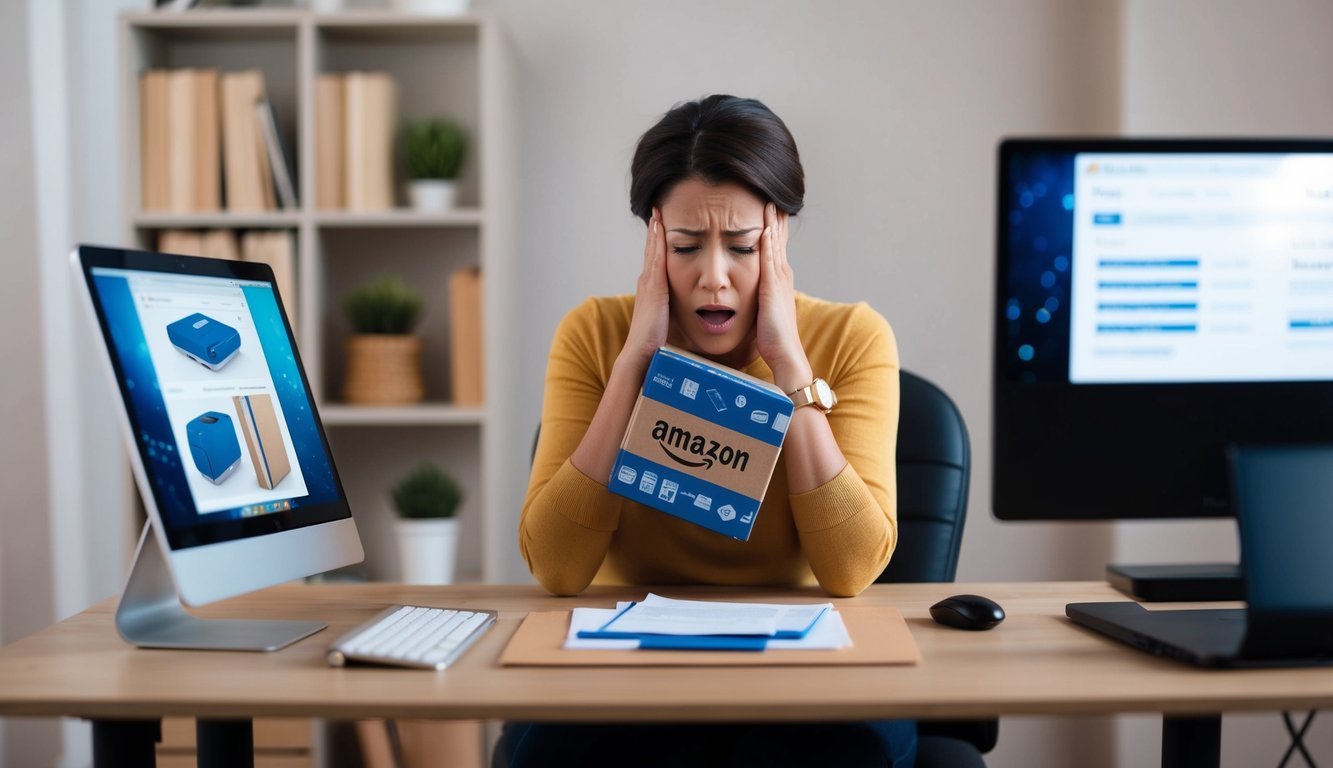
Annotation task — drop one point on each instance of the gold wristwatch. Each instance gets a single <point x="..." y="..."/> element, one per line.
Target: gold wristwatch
<point x="817" y="393"/>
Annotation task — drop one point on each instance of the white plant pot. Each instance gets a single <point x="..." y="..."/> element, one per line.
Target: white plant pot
<point x="427" y="550"/>
<point x="432" y="195"/>
<point x="434" y="7"/>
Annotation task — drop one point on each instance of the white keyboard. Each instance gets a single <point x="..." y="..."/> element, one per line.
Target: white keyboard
<point x="412" y="636"/>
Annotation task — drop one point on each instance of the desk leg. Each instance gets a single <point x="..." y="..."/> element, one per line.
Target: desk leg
<point x="125" y="743"/>
<point x="225" y="743"/>
<point x="1191" y="742"/>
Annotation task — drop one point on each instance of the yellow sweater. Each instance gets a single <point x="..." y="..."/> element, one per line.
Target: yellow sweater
<point x="574" y="531"/>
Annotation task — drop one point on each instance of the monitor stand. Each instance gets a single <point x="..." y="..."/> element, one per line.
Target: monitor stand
<point x="150" y="614"/>
<point x="1178" y="583"/>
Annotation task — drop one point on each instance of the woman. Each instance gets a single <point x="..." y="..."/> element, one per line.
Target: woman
<point x="716" y="181"/>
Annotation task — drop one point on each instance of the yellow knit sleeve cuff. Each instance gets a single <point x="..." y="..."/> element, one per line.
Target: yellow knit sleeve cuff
<point x="582" y="500"/>
<point x="832" y="503"/>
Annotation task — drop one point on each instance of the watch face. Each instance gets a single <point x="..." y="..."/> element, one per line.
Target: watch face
<point x="824" y="394"/>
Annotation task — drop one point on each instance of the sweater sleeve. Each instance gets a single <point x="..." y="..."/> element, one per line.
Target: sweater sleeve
<point x="849" y="526"/>
<point x="568" y="518"/>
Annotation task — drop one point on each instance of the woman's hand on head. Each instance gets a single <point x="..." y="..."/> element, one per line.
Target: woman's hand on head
<point x="652" y="300"/>
<point x="776" y="333"/>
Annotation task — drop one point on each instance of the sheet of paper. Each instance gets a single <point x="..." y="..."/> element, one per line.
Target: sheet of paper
<point x="657" y="615"/>
<point x="593" y="618"/>
<point x="692" y="617"/>
<point x="829" y="634"/>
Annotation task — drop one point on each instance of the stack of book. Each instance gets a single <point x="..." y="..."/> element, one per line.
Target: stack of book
<point x="201" y="131"/>
<point x="355" y="114"/>
<point x="274" y="248"/>
<point x="178" y="134"/>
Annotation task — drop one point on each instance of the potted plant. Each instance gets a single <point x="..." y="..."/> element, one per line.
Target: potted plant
<point x="434" y="152"/>
<point x="426" y="499"/>
<point x="383" y="355"/>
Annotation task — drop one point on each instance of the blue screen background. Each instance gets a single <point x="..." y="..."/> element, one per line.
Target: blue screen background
<point x="1037" y="202"/>
<point x="162" y="458"/>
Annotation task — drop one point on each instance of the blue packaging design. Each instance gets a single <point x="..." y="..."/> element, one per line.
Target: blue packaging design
<point x="213" y="445"/>
<point x="702" y="443"/>
<point x="205" y="340"/>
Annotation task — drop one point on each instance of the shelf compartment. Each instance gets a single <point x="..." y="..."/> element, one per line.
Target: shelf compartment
<point x="220" y="24"/>
<point x="435" y="68"/>
<point x="424" y="257"/>
<point x="219" y="220"/>
<point x="372" y="459"/>
<point x="421" y="414"/>
<point x="401" y="217"/>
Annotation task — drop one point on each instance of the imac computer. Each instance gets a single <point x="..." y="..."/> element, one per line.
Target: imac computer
<point x="226" y="445"/>
<point x="1156" y="302"/>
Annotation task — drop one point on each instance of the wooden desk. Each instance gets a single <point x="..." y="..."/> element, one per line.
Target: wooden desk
<point x="1035" y="663"/>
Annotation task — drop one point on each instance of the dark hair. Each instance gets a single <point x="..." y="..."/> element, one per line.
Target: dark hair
<point x="718" y="139"/>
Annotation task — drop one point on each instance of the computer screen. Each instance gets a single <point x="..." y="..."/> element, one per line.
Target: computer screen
<point x="231" y="458"/>
<point x="1156" y="301"/>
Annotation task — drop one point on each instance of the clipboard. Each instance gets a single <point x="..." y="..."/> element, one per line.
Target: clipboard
<point x="880" y="637"/>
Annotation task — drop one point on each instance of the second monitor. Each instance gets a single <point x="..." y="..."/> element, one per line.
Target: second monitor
<point x="1157" y="301"/>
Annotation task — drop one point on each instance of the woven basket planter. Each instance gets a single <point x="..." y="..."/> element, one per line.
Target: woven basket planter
<point x="383" y="369"/>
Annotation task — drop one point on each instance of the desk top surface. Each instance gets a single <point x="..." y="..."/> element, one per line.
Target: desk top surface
<point x="1036" y="662"/>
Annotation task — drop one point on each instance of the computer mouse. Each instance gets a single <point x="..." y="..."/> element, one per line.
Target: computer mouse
<point x="967" y="612"/>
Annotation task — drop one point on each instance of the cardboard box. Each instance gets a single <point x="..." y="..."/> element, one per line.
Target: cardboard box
<point x="702" y="443"/>
<point x="263" y="437"/>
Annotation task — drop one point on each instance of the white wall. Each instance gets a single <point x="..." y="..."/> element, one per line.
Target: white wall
<point x="25" y="585"/>
<point x="1221" y="67"/>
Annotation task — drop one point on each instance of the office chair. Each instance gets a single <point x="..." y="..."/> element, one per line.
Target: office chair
<point x="934" y="463"/>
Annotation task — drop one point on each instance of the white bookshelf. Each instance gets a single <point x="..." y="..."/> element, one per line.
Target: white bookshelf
<point x="456" y="66"/>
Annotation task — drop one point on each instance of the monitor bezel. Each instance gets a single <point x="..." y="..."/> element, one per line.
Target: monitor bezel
<point x="1016" y="491"/>
<point x="179" y="538"/>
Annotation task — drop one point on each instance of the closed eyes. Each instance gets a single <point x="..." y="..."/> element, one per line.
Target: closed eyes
<point x="743" y="250"/>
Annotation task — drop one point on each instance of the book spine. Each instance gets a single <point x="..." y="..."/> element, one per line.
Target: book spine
<point x="153" y="130"/>
<point x="465" y="330"/>
<point x="181" y="140"/>
<point x="208" y="152"/>
<point x="329" y="138"/>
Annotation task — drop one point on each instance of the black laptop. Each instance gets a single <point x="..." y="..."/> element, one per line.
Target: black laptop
<point x="1284" y="507"/>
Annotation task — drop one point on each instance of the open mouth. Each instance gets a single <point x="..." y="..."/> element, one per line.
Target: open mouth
<point x="716" y="318"/>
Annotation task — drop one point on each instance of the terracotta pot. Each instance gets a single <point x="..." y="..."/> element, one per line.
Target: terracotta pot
<point x="383" y="369"/>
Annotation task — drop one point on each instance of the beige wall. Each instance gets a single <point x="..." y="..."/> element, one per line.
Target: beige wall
<point x="897" y="108"/>
<point x="25" y="584"/>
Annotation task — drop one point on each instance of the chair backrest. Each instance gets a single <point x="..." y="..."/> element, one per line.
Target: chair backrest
<point x="934" y="465"/>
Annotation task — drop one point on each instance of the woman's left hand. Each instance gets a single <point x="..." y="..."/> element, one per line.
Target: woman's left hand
<point x="775" y="330"/>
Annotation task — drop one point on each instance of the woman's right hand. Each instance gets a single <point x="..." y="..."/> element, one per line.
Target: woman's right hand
<point x="651" y="323"/>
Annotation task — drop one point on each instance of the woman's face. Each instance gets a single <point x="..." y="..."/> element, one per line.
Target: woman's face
<point x="712" y="245"/>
